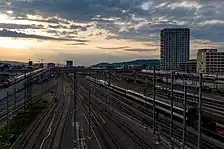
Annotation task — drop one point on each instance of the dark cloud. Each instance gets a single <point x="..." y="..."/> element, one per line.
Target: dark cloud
<point x="52" y="32"/>
<point x="139" y="50"/>
<point x="97" y="34"/>
<point x="49" y="20"/>
<point x="14" y="34"/>
<point x="19" y="26"/>
<point x="100" y="33"/>
<point x="57" y="26"/>
<point x="75" y="9"/>
<point x="115" y="48"/>
<point x="77" y="44"/>
<point x="80" y="27"/>
<point x="160" y="14"/>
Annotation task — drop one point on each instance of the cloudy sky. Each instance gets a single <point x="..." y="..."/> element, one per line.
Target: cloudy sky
<point x="91" y="31"/>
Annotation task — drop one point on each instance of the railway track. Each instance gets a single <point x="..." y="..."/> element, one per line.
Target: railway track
<point x="126" y="130"/>
<point x="142" y="143"/>
<point x="18" y="105"/>
<point x="46" y="132"/>
<point x="108" y="138"/>
<point x="212" y="109"/>
<point x="54" y="137"/>
<point x="30" y="137"/>
<point x="178" y="97"/>
<point x="178" y="133"/>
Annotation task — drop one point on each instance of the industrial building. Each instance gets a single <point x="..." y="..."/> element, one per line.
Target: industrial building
<point x="174" y="47"/>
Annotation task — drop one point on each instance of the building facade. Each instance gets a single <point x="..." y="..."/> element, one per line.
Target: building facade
<point x="189" y="66"/>
<point x="210" y="61"/>
<point x="51" y="65"/>
<point x="174" y="47"/>
<point x="69" y="63"/>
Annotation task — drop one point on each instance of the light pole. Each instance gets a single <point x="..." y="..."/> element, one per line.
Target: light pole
<point x="14" y="97"/>
<point x="89" y="102"/>
<point x="42" y="62"/>
<point x="199" y="110"/>
<point x="7" y="104"/>
<point x="154" y="98"/>
<point x="75" y="94"/>
<point x="171" y="115"/>
<point x="184" y="115"/>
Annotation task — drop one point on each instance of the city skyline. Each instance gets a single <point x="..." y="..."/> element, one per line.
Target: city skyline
<point x="112" y="31"/>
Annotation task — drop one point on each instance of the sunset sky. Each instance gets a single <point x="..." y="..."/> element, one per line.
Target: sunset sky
<point x="91" y="31"/>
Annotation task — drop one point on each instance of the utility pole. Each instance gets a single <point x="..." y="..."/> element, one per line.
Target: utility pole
<point x="184" y="114"/>
<point x="154" y="98"/>
<point x="167" y="80"/>
<point x="75" y="94"/>
<point x="25" y="90"/>
<point x="29" y="89"/>
<point x="14" y="97"/>
<point x="109" y="81"/>
<point x="105" y="87"/>
<point x="7" y="104"/>
<point x="108" y="96"/>
<point x="217" y="82"/>
<point x="199" y="110"/>
<point x="95" y="83"/>
<point x="89" y="103"/>
<point x="171" y="116"/>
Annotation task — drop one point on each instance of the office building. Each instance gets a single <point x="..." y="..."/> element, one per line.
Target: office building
<point x="174" y="47"/>
<point x="210" y="61"/>
<point x="189" y="66"/>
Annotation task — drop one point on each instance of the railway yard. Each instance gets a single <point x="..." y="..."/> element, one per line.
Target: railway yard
<point x="92" y="112"/>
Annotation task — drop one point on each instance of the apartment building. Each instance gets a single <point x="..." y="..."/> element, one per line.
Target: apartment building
<point x="210" y="61"/>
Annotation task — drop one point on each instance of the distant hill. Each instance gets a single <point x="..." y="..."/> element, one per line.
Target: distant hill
<point x="101" y="64"/>
<point x="147" y="62"/>
<point x="12" y="62"/>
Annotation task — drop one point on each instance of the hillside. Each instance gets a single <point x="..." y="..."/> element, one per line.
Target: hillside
<point x="12" y="62"/>
<point x="147" y="62"/>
